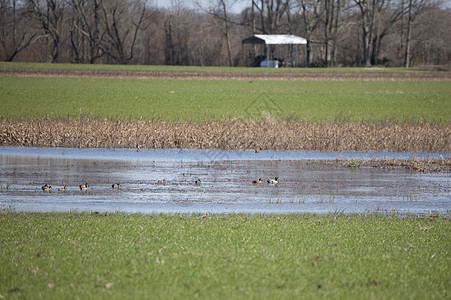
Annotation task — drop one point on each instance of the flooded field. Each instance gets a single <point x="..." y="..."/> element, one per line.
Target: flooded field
<point x="314" y="182"/>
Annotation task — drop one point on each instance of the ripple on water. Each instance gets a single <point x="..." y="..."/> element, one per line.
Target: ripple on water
<point x="226" y="182"/>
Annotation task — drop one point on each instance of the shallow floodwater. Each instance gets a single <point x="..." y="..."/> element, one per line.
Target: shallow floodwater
<point x="306" y="185"/>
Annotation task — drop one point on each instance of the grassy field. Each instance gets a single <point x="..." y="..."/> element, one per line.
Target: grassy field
<point x="57" y="256"/>
<point x="216" y="100"/>
<point x="51" y="66"/>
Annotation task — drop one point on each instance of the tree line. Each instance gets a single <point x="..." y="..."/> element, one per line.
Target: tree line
<point x="338" y="32"/>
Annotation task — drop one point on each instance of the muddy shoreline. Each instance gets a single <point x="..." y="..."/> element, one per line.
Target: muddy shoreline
<point x="307" y="76"/>
<point x="226" y="135"/>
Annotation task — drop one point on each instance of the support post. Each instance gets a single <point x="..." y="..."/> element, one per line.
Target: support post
<point x="297" y="56"/>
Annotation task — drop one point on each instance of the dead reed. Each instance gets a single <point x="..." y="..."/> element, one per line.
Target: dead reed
<point x="229" y="134"/>
<point x="414" y="164"/>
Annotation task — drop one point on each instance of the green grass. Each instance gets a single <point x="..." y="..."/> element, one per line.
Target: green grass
<point x="51" y="66"/>
<point x="57" y="256"/>
<point x="355" y="163"/>
<point x="206" y="100"/>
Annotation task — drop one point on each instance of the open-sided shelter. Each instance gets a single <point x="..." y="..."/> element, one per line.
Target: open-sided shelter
<point x="275" y="39"/>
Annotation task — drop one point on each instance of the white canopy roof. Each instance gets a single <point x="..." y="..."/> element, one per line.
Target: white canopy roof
<point x="275" y="39"/>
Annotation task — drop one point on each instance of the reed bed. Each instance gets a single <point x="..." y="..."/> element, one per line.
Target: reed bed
<point x="230" y="134"/>
<point x="414" y="164"/>
<point x="419" y="165"/>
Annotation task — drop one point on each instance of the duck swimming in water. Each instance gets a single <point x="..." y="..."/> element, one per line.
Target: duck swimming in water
<point x="273" y="181"/>
<point x="115" y="185"/>
<point x="162" y="181"/>
<point x="46" y="188"/>
<point x="257" y="181"/>
<point x="83" y="187"/>
<point x="63" y="189"/>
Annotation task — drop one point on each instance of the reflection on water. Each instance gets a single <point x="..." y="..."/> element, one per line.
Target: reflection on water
<point x="226" y="182"/>
<point x="207" y="155"/>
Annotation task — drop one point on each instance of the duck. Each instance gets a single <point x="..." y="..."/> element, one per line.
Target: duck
<point x="197" y="181"/>
<point x="63" y="189"/>
<point x="273" y="181"/>
<point x="162" y="181"/>
<point x="115" y="185"/>
<point x="46" y="187"/>
<point x="83" y="187"/>
<point x="257" y="181"/>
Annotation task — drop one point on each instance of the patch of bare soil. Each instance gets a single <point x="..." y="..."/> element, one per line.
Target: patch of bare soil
<point x="228" y="135"/>
<point x="364" y="76"/>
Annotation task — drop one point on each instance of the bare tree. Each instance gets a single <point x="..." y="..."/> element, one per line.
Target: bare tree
<point x="311" y="21"/>
<point x="170" y="55"/>
<point x="414" y="8"/>
<point x="15" y="33"/>
<point x="227" y="31"/>
<point x="366" y="22"/>
<point x="177" y="32"/>
<point x="50" y="14"/>
<point x="86" y="20"/>
<point x="377" y="17"/>
<point x="219" y="11"/>
<point x="123" y="22"/>
<point x="429" y="47"/>
<point x="271" y="13"/>
<point x="330" y="17"/>
<point x="402" y="32"/>
<point x="387" y="14"/>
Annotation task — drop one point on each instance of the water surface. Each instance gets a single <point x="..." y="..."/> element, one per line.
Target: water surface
<point x="306" y="185"/>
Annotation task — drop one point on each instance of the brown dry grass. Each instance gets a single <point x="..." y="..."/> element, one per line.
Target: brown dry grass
<point x="419" y="165"/>
<point x="230" y="134"/>
<point x="414" y="164"/>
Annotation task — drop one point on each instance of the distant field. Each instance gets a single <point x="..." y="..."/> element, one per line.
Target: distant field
<point x="215" y="100"/>
<point x="48" y="66"/>
<point x="228" y="108"/>
<point x="58" y="256"/>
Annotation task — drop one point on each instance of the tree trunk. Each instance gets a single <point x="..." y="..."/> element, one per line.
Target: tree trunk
<point x="366" y="20"/>
<point x="309" y="26"/>
<point x="226" y="33"/>
<point x="408" y="37"/>
<point x="327" y="8"/>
